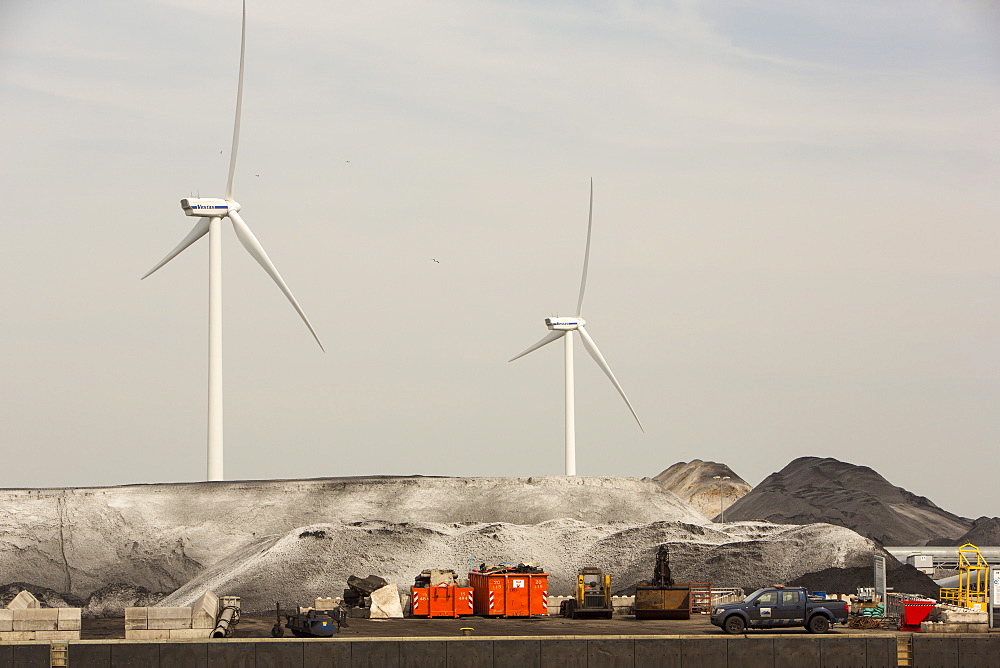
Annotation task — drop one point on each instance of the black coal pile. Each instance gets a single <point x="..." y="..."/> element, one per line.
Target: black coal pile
<point x="984" y="531"/>
<point x="111" y="600"/>
<point x="812" y="489"/>
<point x="904" y="579"/>
<point x="49" y="598"/>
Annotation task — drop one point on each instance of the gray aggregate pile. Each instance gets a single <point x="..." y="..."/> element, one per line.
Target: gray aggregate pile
<point x="702" y="485"/>
<point x="811" y="489"/>
<point x="899" y="577"/>
<point x="318" y="559"/>
<point x="77" y="540"/>
<point x="985" y="531"/>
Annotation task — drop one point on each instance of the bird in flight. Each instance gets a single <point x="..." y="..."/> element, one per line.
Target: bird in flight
<point x="436" y="260"/>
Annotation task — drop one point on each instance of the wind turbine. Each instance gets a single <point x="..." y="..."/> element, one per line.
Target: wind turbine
<point x="563" y="328"/>
<point x="210" y="212"/>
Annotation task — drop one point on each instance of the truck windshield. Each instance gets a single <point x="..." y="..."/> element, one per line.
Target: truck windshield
<point x="753" y="595"/>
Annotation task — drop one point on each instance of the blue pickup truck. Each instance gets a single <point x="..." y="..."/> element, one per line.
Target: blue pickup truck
<point x="780" y="607"/>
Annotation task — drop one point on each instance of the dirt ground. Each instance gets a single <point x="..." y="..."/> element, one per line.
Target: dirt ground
<point x="260" y="627"/>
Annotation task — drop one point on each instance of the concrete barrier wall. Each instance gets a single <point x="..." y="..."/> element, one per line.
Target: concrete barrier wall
<point x="771" y="650"/>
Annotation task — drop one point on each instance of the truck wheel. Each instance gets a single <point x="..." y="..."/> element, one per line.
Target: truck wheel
<point x="819" y="624"/>
<point x="734" y="625"/>
<point x="277" y="631"/>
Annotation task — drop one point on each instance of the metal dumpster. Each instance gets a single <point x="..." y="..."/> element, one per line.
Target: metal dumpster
<point x="914" y="612"/>
<point x="440" y="601"/>
<point x="510" y="594"/>
<point x="663" y="602"/>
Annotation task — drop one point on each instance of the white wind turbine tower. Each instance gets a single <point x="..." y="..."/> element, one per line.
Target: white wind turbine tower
<point x="210" y="212"/>
<point x="563" y="327"/>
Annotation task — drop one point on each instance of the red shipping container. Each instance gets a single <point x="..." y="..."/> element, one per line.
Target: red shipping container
<point x="510" y="594"/>
<point x="440" y="601"/>
<point x="914" y="612"/>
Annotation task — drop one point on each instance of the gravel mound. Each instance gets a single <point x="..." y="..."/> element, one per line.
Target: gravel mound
<point x="810" y="489"/>
<point x="48" y="598"/>
<point x="160" y="536"/>
<point x="903" y="579"/>
<point x="323" y="556"/>
<point x="984" y="531"/>
<point x="111" y="600"/>
<point x="694" y="482"/>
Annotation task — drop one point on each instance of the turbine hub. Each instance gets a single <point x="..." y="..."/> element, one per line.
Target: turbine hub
<point x="564" y="324"/>
<point x="210" y="207"/>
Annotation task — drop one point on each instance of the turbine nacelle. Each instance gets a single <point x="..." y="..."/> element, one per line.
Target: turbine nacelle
<point x="564" y="324"/>
<point x="212" y="207"/>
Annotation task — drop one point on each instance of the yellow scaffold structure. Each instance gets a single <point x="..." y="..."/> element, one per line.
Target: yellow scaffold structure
<point x="973" y="580"/>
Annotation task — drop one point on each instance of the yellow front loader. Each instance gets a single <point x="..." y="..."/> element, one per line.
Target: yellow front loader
<point x="593" y="596"/>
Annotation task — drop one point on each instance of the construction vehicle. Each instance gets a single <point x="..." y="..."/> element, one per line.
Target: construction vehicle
<point x="780" y="607"/>
<point x="310" y="623"/>
<point x="662" y="598"/>
<point x="593" y="596"/>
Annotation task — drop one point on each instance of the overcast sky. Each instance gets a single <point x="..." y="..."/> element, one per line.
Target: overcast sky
<point x="795" y="245"/>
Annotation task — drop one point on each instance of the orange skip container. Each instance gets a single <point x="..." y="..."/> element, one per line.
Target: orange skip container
<point x="510" y="594"/>
<point x="440" y="601"/>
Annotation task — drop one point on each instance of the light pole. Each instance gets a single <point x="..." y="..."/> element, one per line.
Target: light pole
<point x="722" y="511"/>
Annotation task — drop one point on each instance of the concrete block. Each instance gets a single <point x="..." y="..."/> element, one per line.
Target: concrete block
<point x="205" y="611"/>
<point x="953" y="613"/>
<point x="555" y="602"/>
<point x="6" y="619"/>
<point x="57" y="635"/>
<point x="229" y="601"/>
<point x="24" y="599"/>
<point x="68" y="619"/>
<point x="147" y="634"/>
<point x="386" y="603"/>
<point x="954" y="627"/>
<point x="326" y="602"/>
<point x="35" y="619"/>
<point x="168" y="618"/>
<point x="188" y="634"/>
<point x="16" y="636"/>
<point x="135" y="619"/>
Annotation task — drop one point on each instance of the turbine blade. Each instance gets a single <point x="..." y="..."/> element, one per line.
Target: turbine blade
<point x="256" y="251"/>
<point x="586" y="255"/>
<point x="239" y="109"/>
<point x="553" y="335"/>
<point x="197" y="232"/>
<point x="591" y="347"/>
